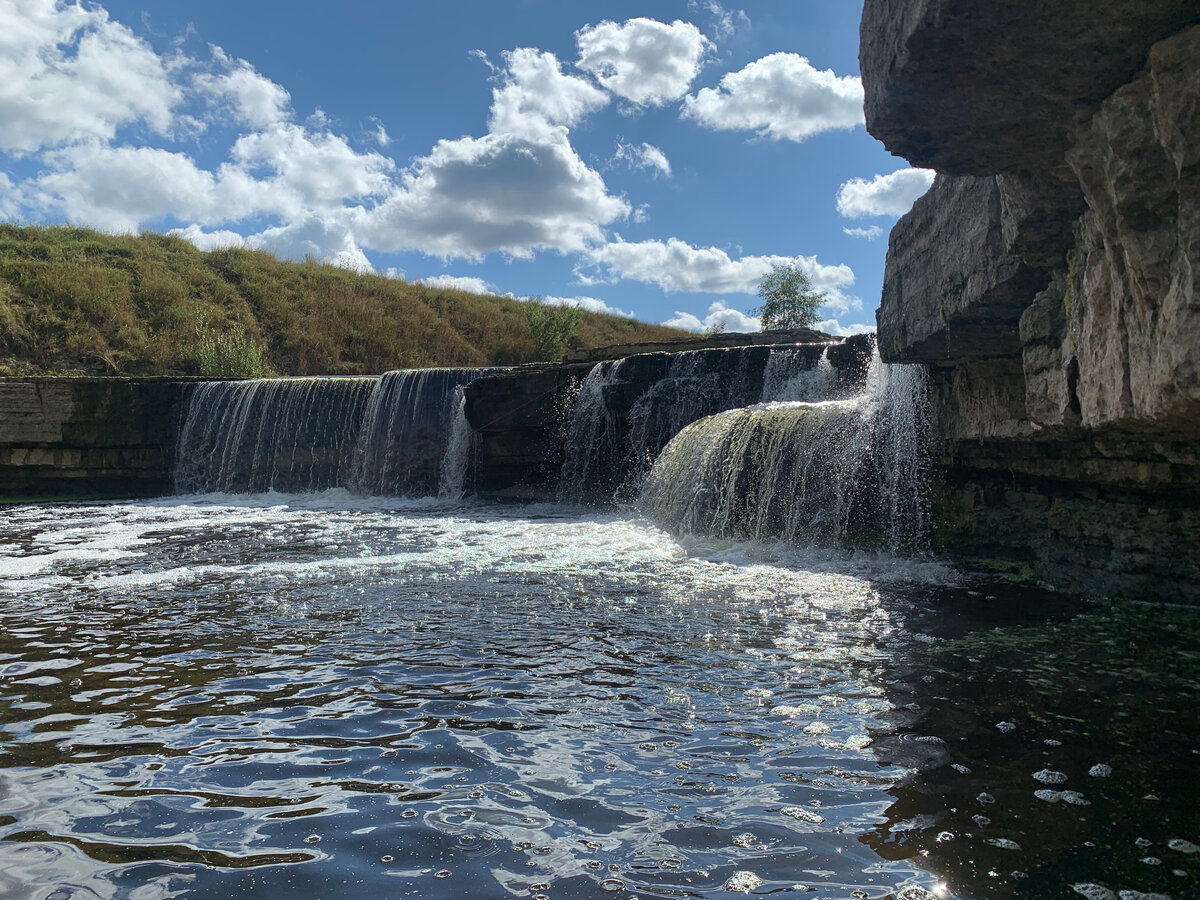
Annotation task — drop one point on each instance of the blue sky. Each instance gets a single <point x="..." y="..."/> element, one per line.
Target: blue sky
<point x="654" y="158"/>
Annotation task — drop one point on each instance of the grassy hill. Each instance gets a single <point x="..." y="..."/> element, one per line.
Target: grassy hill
<point x="74" y="301"/>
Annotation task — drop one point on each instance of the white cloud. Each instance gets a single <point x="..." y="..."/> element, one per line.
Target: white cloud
<point x="209" y="240"/>
<point x="307" y="170"/>
<point x="644" y="156"/>
<point x="675" y="265"/>
<point x="119" y="189"/>
<point x="869" y="233"/>
<point x="283" y="171"/>
<point x="719" y="316"/>
<point x="498" y="193"/>
<point x="68" y="73"/>
<point x="647" y="62"/>
<point x="725" y="22"/>
<point x="254" y="99"/>
<point x="836" y="328"/>
<point x="10" y="200"/>
<point x="329" y="239"/>
<point x="468" y="283"/>
<point x="779" y="96"/>
<point x="534" y="93"/>
<point x="884" y="195"/>
<point x="591" y="304"/>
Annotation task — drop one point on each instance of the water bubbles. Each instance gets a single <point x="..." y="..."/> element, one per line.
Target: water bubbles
<point x="804" y="815"/>
<point x="1151" y="860"/>
<point x="959" y="767"/>
<point x="1050" y="776"/>
<point x="408" y="814"/>
<point x="1090" y="891"/>
<point x="1003" y="843"/>
<point x="944" y="836"/>
<point x="743" y="882"/>
<point x="1100" y="770"/>
<point x="387" y="858"/>
<point x="745" y="841"/>
<point x="817" y="728"/>
<point x="442" y="873"/>
<point x="1075" y="798"/>
<point x="914" y="892"/>
<point x="981" y="820"/>
<point x="1005" y="727"/>
<point x="1052" y="742"/>
<point x="1138" y="895"/>
<point x="1144" y="842"/>
<point x="671" y="862"/>
<point x="313" y="839"/>
<point x="1048" y="795"/>
<point x="612" y="885"/>
<point x="1179" y="845"/>
<point x="985" y="798"/>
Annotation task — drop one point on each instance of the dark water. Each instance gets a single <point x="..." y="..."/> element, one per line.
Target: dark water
<point x="326" y="697"/>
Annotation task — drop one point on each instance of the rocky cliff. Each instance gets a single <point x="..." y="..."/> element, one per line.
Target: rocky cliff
<point x="1048" y="279"/>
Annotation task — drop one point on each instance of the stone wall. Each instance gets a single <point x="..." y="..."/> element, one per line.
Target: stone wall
<point x="1048" y="279"/>
<point x="87" y="438"/>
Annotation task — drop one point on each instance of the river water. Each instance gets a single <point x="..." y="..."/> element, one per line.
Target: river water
<point x="321" y="696"/>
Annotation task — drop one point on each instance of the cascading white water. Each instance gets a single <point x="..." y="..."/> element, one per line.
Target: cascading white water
<point x="459" y="448"/>
<point x="283" y="434"/>
<point x="397" y="435"/>
<point x="629" y="409"/>
<point x="828" y="473"/>
<point x="407" y="431"/>
<point x="803" y="373"/>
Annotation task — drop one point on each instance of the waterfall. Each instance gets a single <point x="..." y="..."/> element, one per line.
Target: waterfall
<point x="629" y="409"/>
<point x="407" y="430"/>
<point x="815" y="473"/>
<point x="402" y="434"/>
<point x="803" y="372"/>
<point x="283" y="434"/>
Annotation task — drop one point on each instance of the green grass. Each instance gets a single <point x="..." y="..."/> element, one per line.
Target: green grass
<point x="77" y="302"/>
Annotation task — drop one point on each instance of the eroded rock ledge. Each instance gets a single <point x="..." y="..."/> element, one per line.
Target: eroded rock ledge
<point x="1048" y="279"/>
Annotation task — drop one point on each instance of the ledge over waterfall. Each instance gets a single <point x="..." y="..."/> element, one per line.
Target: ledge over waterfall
<point x="1048" y="278"/>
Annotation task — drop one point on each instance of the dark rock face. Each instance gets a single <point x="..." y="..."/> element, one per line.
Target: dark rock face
<point x="976" y="87"/>
<point x="1049" y="278"/>
<point x="87" y="438"/>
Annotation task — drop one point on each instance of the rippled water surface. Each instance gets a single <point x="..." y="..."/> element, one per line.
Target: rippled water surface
<point x="323" y="697"/>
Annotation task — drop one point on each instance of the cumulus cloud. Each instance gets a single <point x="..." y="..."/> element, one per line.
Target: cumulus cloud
<point x="779" y="96"/>
<point x="209" y="240"/>
<point x="69" y="73"/>
<point x="644" y="156"/>
<point x="884" y="195"/>
<point x="468" y="283"/>
<point x="675" y="265"/>
<point x="720" y="316"/>
<point x="535" y="93"/>
<point x="498" y="193"/>
<point x="869" y="233"/>
<point x="644" y="61"/>
<point x="252" y="98"/>
<point x="836" y="328"/>
<point x="9" y="198"/>
<point x="591" y="304"/>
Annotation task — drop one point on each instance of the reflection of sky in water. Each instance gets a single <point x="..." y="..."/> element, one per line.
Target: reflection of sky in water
<point x="337" y="697"/>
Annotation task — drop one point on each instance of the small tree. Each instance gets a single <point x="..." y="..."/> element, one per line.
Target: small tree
<point x="553" y="327"/>
<point x="789" y="298"/>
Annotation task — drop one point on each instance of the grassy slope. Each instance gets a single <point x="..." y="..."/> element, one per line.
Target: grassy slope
<point x="74" y="301"/>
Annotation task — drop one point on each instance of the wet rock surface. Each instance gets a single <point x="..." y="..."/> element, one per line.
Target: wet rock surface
<point x="1048" y="277"/>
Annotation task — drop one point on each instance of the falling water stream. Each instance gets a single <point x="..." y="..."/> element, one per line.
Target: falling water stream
<point x="263" y="691"/>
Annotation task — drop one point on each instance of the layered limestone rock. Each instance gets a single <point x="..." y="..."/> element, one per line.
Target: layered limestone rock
<point x="1049" y="276"/>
